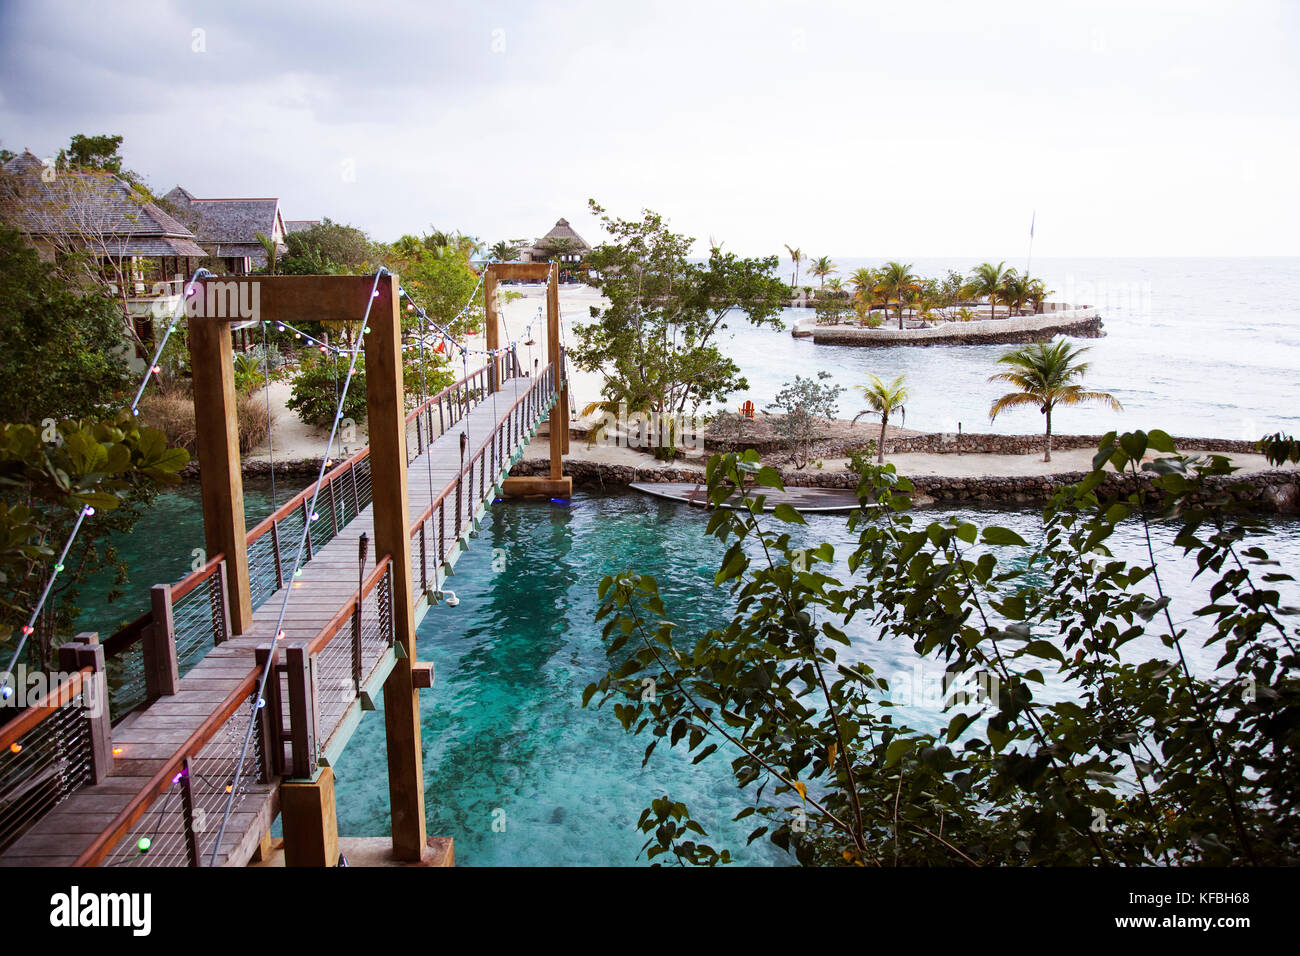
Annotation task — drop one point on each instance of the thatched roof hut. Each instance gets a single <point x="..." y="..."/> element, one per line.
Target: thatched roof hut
<point x="560" y="243"/>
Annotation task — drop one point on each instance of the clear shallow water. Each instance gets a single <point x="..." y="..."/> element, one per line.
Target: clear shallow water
<point x="1198" y="347"/>
<point x="503" y="727"/>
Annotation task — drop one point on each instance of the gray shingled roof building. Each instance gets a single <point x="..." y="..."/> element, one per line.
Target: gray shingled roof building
<point x="94" y="210"/>
<point x="228" y="228"/>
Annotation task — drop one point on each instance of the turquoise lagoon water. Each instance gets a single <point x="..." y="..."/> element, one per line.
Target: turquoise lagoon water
<point x="505" y="738"/>
<point x="503" y="729"/>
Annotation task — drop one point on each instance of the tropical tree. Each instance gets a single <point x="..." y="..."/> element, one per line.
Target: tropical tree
<point x="1045" y="374"/>
<point x="503" y="251"/>
<point x="896" y="280"/>
<point x="986" y="279"/>
<point x="268" y="244"/>
<point x="864" y="281"/>
<point x="436" y="271"/>
<point x="327" y="248"/>
<point x="796" y="256"/>
<point x="802" y="406"/>
<point x="1015" y="291"/>
<point x="883" y="400"/>
<point x="1038" y="291"/>
<point x="60" y="347"/>
<point x="1062" y="740"/>
<point x="822" y="267"/>
<point x="654" y="342"/>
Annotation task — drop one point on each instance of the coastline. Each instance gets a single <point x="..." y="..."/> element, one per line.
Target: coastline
<point x="943" y="468"/>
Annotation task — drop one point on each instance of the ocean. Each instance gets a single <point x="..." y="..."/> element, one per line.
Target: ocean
<point x="1197" y="347"/>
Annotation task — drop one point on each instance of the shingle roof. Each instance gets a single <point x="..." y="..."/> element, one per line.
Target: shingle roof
<point x="86" y="202"/>
<point x="299" y="225"/>
<point x="227" y="220"/>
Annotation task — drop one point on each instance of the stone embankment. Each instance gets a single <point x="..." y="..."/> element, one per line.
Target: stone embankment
<point x="841" y="442"/>
<point x="1275" y="491"/>
<point x="1017" y="330"/>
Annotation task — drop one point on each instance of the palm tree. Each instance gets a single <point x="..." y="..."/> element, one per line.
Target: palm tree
<point x="822" y="267"/>
<point x="796" y="256"/>
<point x="896" y="280"/>
<point x="1042" y="372"/>
<point x="271" y="251"/>
<point x="883" y="401"/>
<point x="503" y="251"/>
<point x="1014" y="291"/>
<point x="986" y="279"/>
<point x="864" y="282"/>
<point x="1038" y="291"/>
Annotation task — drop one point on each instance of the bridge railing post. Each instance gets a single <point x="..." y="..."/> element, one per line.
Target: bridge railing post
<point x="161" y="670"/>
<point x="86" y="651"/>
<point x="187" y="813"/>
<point x="303" y="730"/>
<point x="271" y="714"/>
<point x="306" y="520"/>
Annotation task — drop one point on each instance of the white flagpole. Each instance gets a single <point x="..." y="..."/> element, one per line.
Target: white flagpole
<point x="1030" y="258"/>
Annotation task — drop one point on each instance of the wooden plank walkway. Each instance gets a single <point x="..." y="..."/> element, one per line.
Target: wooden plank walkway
<point x="144" y="742"/>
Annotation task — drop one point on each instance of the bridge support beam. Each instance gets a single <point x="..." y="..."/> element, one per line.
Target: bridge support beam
<point x="392" y="521"/>
<point x="216" y="427"/>
<point x="310" y="821"/>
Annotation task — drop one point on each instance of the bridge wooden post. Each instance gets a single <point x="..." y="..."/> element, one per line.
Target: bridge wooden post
<point x="557" y="485"/>
<point x="216" y="427"/>
<point x="392" y="522"/>
<point x="492" y="326"/>
<point x="558" y="424"/>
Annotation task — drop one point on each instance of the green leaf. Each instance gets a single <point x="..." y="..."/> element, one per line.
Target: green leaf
<point x="897" y="747"/>
<point x="1002" y="536"/>
<point x="787" y="513"/>
<point x="1044" y="649"/>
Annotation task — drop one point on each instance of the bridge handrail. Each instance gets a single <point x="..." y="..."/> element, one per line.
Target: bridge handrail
<point x="46" y="707"/>
<point x="469" y="465"/>
<point x="346" y="612"/>
<point x="161" y="781"/>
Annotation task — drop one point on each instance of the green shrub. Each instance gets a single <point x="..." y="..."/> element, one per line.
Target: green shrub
<point x="318" y="384"/>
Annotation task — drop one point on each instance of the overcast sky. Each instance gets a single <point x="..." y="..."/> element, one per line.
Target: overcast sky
<point x="891" y="129"/>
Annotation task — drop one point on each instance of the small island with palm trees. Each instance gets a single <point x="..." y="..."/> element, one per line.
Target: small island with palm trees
<point x="891" y="305"/>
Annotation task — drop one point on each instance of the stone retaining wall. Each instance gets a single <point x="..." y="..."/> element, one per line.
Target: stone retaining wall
<point x="1277" y="491"/>
<point x="1019" y="330"/>
<point x="977" y="443"/>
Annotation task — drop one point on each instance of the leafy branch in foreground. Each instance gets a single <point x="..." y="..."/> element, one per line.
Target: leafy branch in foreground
<point x="1078" y="730"/>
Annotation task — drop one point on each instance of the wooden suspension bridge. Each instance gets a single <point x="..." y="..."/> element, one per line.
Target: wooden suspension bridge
<point x="134" y="756"/>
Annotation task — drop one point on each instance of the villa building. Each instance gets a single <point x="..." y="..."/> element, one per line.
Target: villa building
<point x="228" y="228"/>
<point x="139" y="251"/>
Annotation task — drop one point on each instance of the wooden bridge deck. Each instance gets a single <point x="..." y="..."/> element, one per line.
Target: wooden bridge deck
<point x="144" y="742"/>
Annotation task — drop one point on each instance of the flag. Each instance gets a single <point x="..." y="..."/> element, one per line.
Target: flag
<point x="1031" y="223"/>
